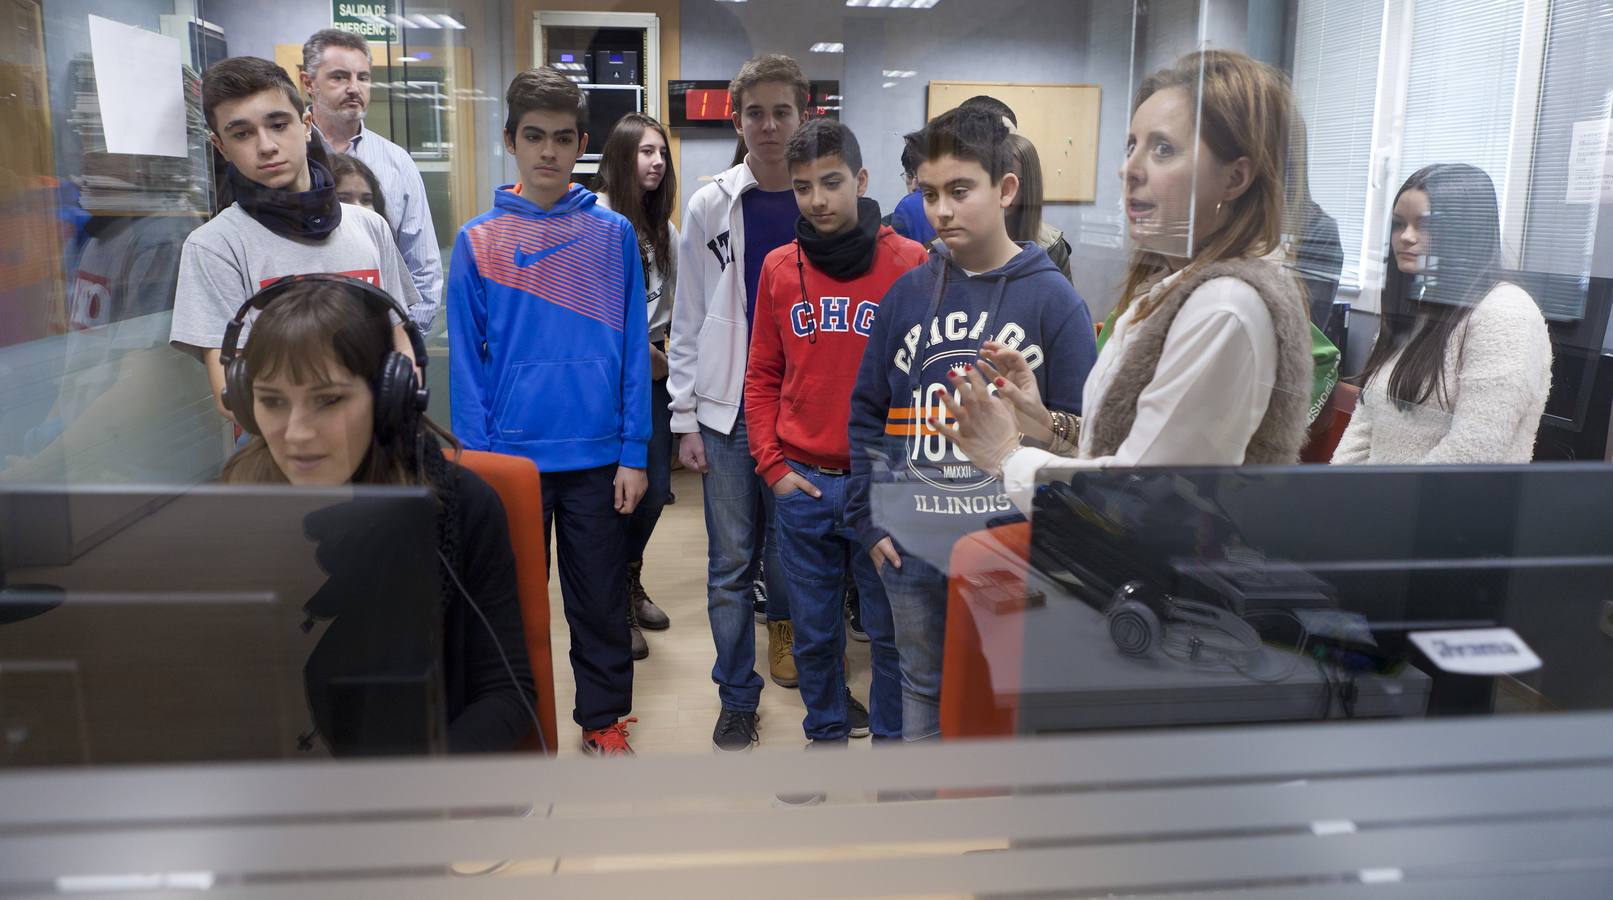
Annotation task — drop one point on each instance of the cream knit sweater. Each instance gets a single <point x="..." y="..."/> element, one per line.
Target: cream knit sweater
<point x="1497" y="374"/>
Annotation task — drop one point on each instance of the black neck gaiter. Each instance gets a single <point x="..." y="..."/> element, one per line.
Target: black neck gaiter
<point x="850" y="253"/>
<point x="313" y="213"/>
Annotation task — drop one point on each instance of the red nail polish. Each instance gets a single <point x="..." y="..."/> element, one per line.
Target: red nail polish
<point x="968" y="367"/>
<point x="1000" y="382"/>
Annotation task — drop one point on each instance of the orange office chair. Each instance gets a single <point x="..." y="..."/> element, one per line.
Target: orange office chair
<point x="984" y="632"/>
<point x="1328" y="429"/>
<point x="519" y="487"/>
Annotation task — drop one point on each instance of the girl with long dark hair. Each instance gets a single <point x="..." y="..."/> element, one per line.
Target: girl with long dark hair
<point x="636" y="179"/>
<point x="314" y="361"/>
<point x="1025" y="223"/>
<point x="1462" y="363"/>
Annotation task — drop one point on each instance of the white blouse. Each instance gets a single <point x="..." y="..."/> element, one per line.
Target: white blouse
<point x="1208" y="395"/>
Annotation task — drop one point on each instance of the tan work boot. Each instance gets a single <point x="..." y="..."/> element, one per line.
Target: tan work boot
<point x="781" y="653"/>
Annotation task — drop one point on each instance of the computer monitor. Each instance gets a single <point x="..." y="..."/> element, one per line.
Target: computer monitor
<point x="1404" y="549"/>
<point x="146" y="625"/>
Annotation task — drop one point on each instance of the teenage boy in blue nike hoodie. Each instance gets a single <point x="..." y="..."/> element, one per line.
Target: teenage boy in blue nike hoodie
<point x="912" y="494"/>
<point x="551" y="361"/>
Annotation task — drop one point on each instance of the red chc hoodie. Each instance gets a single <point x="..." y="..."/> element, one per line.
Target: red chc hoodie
<point x="805" y="349"/>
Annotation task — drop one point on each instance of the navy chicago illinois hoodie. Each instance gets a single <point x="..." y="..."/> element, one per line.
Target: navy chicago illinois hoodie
<point x="907" y="480"/>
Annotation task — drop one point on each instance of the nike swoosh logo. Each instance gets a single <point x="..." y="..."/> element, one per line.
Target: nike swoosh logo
<point x="524" y="259"/>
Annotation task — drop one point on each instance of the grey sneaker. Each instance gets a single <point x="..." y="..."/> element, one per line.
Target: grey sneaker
<point x="856" y="717"/>
<point x="854" y="615"/>
<point x="735" y="731"/>
<point x="758" y="593"/>
<point x="649" y="615"/>
<point x="641" y="647"/>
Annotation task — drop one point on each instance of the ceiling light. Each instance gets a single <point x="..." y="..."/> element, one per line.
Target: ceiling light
<point x="888" y="84"/>
<point x="900" y="73"/>
<point x="400" y="21"/>
<point x="408" y="59"/>
<point x="424" y="21"/>
<point x="828" y="47"/>
<point x="450" y="22"/>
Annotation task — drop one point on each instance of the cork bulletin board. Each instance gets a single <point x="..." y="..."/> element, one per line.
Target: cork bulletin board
<point x="1060" y="119"/>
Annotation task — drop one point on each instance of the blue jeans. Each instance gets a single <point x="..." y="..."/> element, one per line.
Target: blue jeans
<point x="739" y="512"/>
<point x="817" y="549"/>
<point x="659" y="472"/>
<point x="917" y="593"/>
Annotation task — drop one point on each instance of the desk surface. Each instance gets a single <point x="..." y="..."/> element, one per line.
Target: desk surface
<point x="1064" y="672"/>
<point x="1476" y="808"/>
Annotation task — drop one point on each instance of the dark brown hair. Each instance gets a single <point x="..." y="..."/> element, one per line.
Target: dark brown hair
<point x="242" y="76"/>
<point x="342" y="165"/>
<point x="649" y="212"/>
<point x="299" y="333"/>
<point x="237" y="78"/>
<point x="768" y="67"/>
<point x="543" y="89"/>
<point x="824" y="137"/>
<point x="968" y="133"/>
<point x="1422" y="312"/>
<point x="1025" y="216"/>
<point x="1245" y="111"/>
<point x="992" y="105"/>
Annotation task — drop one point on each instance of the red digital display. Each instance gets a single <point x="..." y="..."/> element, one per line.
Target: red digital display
<point x="708" y="105"/>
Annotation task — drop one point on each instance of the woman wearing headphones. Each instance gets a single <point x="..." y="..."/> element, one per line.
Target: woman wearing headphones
<point x="330" y="402"/>
<point x="1209" y="362"/>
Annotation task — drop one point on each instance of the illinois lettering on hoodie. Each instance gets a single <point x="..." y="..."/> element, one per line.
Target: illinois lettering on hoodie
<point x="550" y="343"/>
<point x="907" y="480"/>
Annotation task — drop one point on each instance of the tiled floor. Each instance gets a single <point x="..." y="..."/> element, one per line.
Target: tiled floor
<point x="673" y="695"/>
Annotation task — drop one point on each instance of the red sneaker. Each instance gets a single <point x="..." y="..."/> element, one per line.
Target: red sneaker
<point x="608" y="741"/>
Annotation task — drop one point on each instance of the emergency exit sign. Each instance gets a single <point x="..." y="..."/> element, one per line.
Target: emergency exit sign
<point x="367" y="19"/>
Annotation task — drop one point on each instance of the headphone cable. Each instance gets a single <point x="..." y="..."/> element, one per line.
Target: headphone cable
<point x="537" y="726"/>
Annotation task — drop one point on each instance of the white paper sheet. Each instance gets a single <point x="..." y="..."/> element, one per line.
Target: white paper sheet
<point x="1588" y="162"/>
<point x="140" y="89"/>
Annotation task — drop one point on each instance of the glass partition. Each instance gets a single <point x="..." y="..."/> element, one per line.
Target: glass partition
<point x="1306" y="319"/>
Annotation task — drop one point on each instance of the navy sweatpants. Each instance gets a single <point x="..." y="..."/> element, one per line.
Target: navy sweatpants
<point x="590" y="538"/>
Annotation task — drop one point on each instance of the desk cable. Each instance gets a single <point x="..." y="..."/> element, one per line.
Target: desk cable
<point x="537" y="726"/>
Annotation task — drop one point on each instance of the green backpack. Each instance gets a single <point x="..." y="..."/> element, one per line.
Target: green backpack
<point x="1324" y="361"/>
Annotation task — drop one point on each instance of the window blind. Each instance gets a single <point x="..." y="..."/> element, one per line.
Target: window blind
<point x="1336" y="52"/>
<point x="1459" y="96"/>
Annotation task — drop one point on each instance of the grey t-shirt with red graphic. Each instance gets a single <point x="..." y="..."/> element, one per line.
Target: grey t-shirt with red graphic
<point x="230" y="258"/>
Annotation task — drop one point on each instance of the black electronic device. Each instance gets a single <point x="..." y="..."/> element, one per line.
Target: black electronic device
<point x="220" y="623"/>
<point x="1399" y="550"/>
<point x="616" y="67"/>
<point x="400" y="397"/>
<point x="576" y="65"/>
<point x="607" y="103"/>
<point x="1576" y="423"/>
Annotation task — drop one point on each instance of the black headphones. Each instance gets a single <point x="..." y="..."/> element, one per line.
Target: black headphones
<point x="1143" y="619"/>
<point x="400" y="398"/>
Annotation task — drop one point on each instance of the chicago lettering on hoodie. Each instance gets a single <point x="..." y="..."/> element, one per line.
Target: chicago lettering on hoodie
<point x="909" y="481"/>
